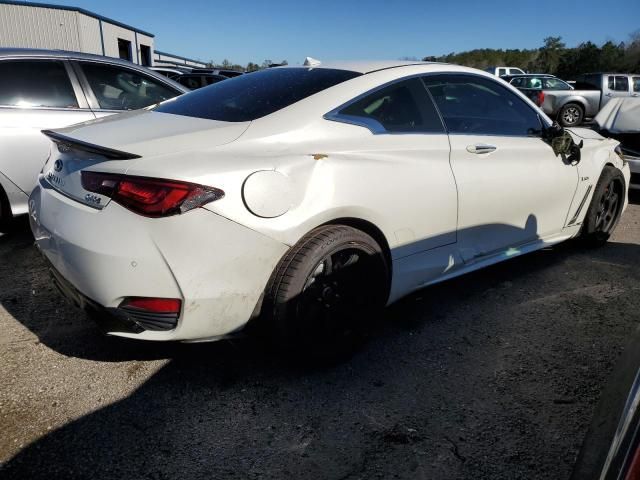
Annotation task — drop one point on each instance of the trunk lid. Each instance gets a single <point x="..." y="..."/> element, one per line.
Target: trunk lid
<point x="114" y="142"/>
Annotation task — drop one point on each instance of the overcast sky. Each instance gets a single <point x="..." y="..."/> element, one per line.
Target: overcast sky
<point x="252" y="30"/>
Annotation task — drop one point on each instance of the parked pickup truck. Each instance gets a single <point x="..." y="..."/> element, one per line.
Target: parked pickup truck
<point x="572" y="105"/>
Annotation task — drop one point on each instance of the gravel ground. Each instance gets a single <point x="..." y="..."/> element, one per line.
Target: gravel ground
<point x="492" y="375"/>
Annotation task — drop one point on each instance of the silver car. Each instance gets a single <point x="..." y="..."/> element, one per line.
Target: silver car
<point x="44" y="89"/>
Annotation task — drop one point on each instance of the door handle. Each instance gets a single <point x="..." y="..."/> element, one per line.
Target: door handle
<point x="608" y="94"/>
<point x="481" y="148"/>
<point x="634" y="94"/>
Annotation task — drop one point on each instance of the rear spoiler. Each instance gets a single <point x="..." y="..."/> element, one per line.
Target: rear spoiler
<point x="65" y="144"/>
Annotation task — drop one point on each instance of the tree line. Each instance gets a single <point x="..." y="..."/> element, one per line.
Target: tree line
<point x="249" y="67"/>
<point x="555" y="58"/>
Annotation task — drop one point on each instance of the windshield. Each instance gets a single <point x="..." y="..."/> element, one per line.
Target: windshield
<point x="255" y="95"/>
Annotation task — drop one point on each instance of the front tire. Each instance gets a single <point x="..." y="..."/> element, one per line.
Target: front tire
<point x="605" y="208"/>
<point x="325" y="292"/>
<point x="571" y="115"/>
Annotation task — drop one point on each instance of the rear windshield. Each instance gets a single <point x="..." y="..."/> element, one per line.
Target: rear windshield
<point x="255" y="95"/>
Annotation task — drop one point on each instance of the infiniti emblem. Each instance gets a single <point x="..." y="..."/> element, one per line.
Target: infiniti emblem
<point x="57" y="166"/>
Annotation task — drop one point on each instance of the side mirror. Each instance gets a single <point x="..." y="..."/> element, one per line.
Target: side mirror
<point x="563" y="144"/>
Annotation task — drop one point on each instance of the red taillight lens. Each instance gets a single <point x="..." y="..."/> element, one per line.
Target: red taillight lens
<point x="634" y="469"/>
<point x="155" y="305"/>
<point x="151" y="197"/>
<point x="540" y="97"/>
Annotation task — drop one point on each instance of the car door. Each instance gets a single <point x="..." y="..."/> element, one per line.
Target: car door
<point x="35" y="94"/>
<point x="512" y="189"/>
<point x="112" y="88"/>
<point x="410" y="151"/>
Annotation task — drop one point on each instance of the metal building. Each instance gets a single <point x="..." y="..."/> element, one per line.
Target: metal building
<point x="165" y="59"/>
<point x="59" y="27"/>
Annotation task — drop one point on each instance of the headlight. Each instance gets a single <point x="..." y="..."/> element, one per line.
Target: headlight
<point x="619" y="152"/>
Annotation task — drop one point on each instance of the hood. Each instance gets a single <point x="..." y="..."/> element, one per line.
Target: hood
<point x="584" y="133"/>
<point x="148" y="133"/>
<point x="620" y="115"/>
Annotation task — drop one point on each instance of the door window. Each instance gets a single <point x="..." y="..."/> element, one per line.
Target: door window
<point x="42" y="83"/>
<point x="555" y="84"/>
<point x="474" y="105"/>
<point x="515" y="71"/>
<point x="636" y="84"/>
<point x="618" y="83"/>
<point x="401" y="107"/>
<point x="534" y="83"/>
<point x="502" y="71"/>
<point x="117" y="88"/>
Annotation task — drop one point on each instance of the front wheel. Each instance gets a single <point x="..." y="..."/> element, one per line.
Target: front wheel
<point x="325" y="292"/>
<point x="605" y="208"/>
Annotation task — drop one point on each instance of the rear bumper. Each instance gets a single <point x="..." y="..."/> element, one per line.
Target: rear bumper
<point x="218" y="268"/>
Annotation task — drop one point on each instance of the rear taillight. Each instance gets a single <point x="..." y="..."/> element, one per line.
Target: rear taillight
<point x="540" y="98"/>
<point x="151" y="197"/>
<point x="634" y="469"/>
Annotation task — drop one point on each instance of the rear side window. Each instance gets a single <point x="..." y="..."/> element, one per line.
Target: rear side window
<point x="401" y="107"/>
<point x="502" y="71"/>
<point x="117" y="88"/>
<point x="248" y="97"/>
<point x="192" y="82"/>
<point x="533" y="82"/>
<point x="518" y="82"/>
<point x="515" y="71"/>
<point x="474" y="105"/>
<point x="42" y="83"/>
<point x="555" y="84"/>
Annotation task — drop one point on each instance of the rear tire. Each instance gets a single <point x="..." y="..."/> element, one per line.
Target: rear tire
<point x="326" y="292"/>
<point x="605" y="208"/>
<point x="571" y="115"/>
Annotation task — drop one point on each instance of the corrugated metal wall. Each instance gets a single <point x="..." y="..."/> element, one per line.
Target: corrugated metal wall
<point x="89" y="31"/>
<point x="36" y="27"/>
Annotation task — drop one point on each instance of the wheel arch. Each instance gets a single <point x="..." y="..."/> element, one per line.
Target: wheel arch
<point x="373" y="231"/>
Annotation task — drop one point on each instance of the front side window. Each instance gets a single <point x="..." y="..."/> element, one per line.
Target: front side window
<point x="618" y="83"/>
<point x="622" y="84"/>
<point x="515" y="71"/>
<point x="248" y="97"/>
<point x="40" y="83"/>
<point x="555" y="84"/>
<point x="636" y="84"/>
<point x="474" y="105"/>
<point x="404" y="106"/>
<point x="518" y="82"/>
<point x="117" y="88"/>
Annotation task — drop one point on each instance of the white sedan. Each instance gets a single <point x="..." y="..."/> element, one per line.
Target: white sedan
<point x="306" y="197"/>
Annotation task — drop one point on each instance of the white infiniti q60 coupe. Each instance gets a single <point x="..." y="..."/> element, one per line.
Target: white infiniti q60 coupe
<point x="305" y="197"/>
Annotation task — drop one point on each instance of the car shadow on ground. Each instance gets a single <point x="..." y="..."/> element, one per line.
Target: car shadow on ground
<point x="479" y="376"/>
